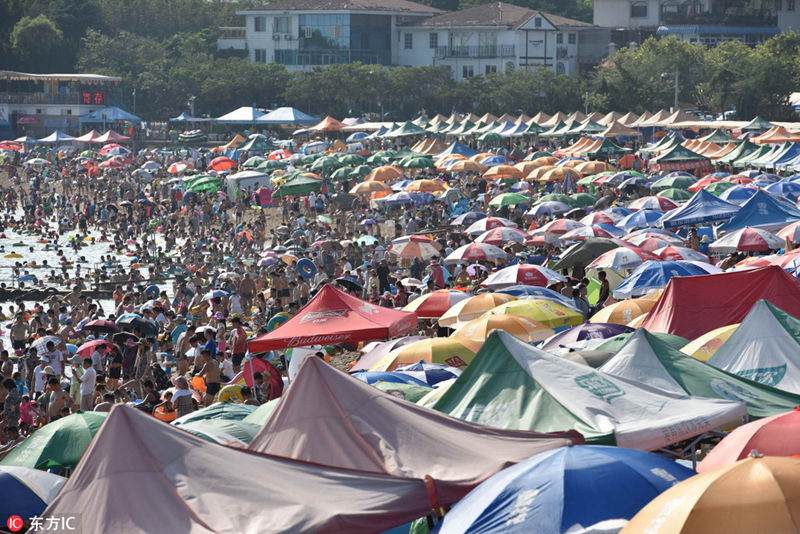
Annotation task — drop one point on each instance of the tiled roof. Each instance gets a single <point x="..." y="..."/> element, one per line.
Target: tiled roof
<point x="348" y="5"/>
<point x="497" y="14"/>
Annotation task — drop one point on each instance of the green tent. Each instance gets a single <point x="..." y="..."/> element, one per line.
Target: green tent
<point x="410" y="392"/>
<point x="258" y="144"/>
<point x="678" y="153"/>
<point x="553" y="131"/>
<point x="744" y="160"/>
<point x="587" y="127"/>
<point x="776" y="152"/>
<point x="476" y="129"/>
<point x="298" y="185"/>
<point x="719" y="136"/>
<point x="740" y="151"/>
<point x="491" y="137"/>
<point x="613" y="344"/>
<point x="607" y="147"/>
<point x="208" y="184"/>
<point x="404" y="130"/>
<point x="462" y="129"/>
<point x="757" y="124"/>
<point x="510" y="384"/>
<point x="646" y="358"/>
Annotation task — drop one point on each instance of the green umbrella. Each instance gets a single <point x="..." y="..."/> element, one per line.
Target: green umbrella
<point x="261" y="414"/>
<point x="341" y="174"/>
<point x="491" y="137"/>
<point x="584" y="199"/>
<point x="206" y="185"/>
<point x="352" y="159"/>
<point x="87" y="154"/>
<point x="58" y="444"/>
<point x="375" y="159"/>
<point x="675" y="194"/>
<point x="510" y="199"/>
<point x="272" y="164"/>
<point x="361" y="170"/>
<point x="216" y="430"/>
<point x="311" y="158"/>
<point x="219" y="410"/>
<point x="253" y="162"/>
<point x="558" y="197"/>
<point x="679" y="182"/>
<point x="538" y="154"/>
<point x="416" y="162"/>
<point x="327" y="162"/>
<point x="717" y="188"/>
<point x="589" y="179"/>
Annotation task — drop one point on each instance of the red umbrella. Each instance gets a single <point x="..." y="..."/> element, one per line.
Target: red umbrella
<point x="653" y="203"/>
<point x="703" y="183"/>
<point x="488" y="223"/>
<point x="10" y="145"/>
<point x="585" y="232"/>
<point x="433" y="305"/>
<point x="561" y="226"/>
<point x="676" y="253"/>
<point x="221" y="163"/>
<point x="476" y="252"/>
<point x="597" y="217"/>
<point x="333" y="316"/>
<point x="778" y="435"/>
<point x="89" y="347"/>
<point x="101" y="325"/>
<point x="279" y="154"/>
<point x="502" y="236"/>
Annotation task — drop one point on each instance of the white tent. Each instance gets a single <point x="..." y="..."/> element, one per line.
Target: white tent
<point x="245" y="179"/>
<point x="243" y="115"/>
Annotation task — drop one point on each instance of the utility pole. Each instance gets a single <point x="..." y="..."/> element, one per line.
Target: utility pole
<point x="677" y="77"/>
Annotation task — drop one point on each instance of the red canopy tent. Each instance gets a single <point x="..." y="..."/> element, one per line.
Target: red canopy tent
<point x="111" y="137"/>
<point x="693" y="305"/>
<point x="339" y="421"/>
<point x="88" y="137"/>
<point x="333" y="316"/>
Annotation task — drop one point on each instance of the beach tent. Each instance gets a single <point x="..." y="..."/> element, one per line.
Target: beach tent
<point x="242" y="115"/>
<point x="718" y="136"/>
<point x="330" y="418"/>
<point x="140" y="476"/>
<point x="745" y="159"/>
<point x="298" y="184"/>
<point x="610" y="118"/>
<point x="287" y="115"/>
<point x="57" y="137"/>
<point x="244" y="179"/>
<point x="587" y="127"/>
<point x="767" y="158"/>
<point x="764" y="211"/>
<point x="692" y="306"/>
<point x="678" y="158"/>
<point x="258" y="143"/>
<point x="553" y="120"/>
<point x="333" y="316"/>
<point x="765" y="348"/>
<point x="108" y="114"/>
<point x="511" y="384"/>
<point x="647" y="359"/>
<point x="605" y="148"/>
<point x="703" y="207"/>
<point x="328" y="124"/>
<point x="457" y="148"/>
<point x="404" y="130"/>
<point x="629" y="119"/>
<point x="744" y="149"/>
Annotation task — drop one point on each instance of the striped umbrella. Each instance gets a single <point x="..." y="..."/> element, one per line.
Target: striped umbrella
<point x="525" y="329"/>
<point x="673" y="252"/>
<point x="434" y="304"/>
<point x="597" y="217"/>
<point x="502" y="236"/>
<point x="792" y="232"/>
<point x="414" y="246"/>
<point x="623" y="258"/>
<point x="653" y="203"/>
<point x="472" y="308"/>
<point x="476" y="252"/>
<point x="532" y="275"/>
<point x="561" y="226"/>
<point x="747" y="239"/>
<point x="585" y="232"/>
<point x="454" y="352"/>
<point x="488" y="223"/>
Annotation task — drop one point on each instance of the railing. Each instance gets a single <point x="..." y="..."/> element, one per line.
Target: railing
<point x="331" y="57"/>
<point x="232" y="32"/>
<point x="476" y="51"/>
<point x="718" y="19"/>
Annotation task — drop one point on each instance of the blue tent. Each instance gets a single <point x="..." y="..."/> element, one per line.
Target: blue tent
<point x="787" y="157"/>
<point x="702" y="207"/>
<point x="287" y="115"/>
<point x="564" y="490"/>
<point x="185" y="117"/>
<point x="738" y="195"/>
<point x="57" y="137"/>
<point x="762" y="211"/>
<point x="652" y="275"/>
<point x="108" y="114"/>
<point x="457" y="148"/>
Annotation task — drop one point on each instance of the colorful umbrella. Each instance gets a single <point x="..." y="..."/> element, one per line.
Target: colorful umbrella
<point x="434" y="304"/>
<point x="87" y="349"/>
<point x="652" y="275"/>
<point x="715" y="503"/>
<point x="476" y="252"/>
<point x="549" y="208"/>
<point x="424" y="186"/>
<point x="672" y="252"/>
<point x="522" y="273"/>
<point x="676" y="194"/>
<point x="26" y="492"/>
<point x="792" y="232"/>
<point x="747" y="239"/>
<point x="585" y="232"/>
<point x="453" y="352"/>
<point x="560" y="226"/>
<point x="623" y="312"/>
<point x="510" y="199"/>
<point x="370" y="186"/>
<point x="565" y="490"/>
<point x="584" y="332"/>
<point x="597" y="217"/>
<point x="472" y="308"/>
<point x="502" y="236"/>
<point x="556" y="315"/>
<point x="658" y="203"/>
<point x="623" y="258"/>
<point x="706" y="345"/>
<point x="414" y="246"/>
<point x="221" y="163"/>
<point x="640" y="219"/>
<point x="488" y="223"/>
<point x="516" y="325"/>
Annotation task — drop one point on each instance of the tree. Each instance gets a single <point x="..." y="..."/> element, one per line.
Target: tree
<point x="37" y="43"/>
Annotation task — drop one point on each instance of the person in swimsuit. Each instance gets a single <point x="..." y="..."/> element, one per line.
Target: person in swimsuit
<point x="210" y="372"/>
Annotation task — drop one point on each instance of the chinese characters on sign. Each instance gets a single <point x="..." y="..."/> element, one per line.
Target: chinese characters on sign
<point x="97" y="98"/>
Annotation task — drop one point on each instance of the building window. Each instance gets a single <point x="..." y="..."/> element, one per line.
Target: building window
<point x="572" y="38"/>
<point x="789" y="5"/>
<point x="408" y="41"/>
<point x="280" y="25"/>
<point x="260" y="24"/>
<point x="537" y="22"/>
<point x="433" y="40"/>
<point x="559" y="38"/>
<point x="490" y="69"/>
<point x="560" y="68"/>
<point x="260" y="55"/>
<point x="309" y="32"/>
<point x="467" y="71"/>
<point x="778" y="5"/>
<point x="638" y="10"/>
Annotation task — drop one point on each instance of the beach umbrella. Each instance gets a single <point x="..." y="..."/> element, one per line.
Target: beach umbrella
<point x="253" y="162"/>
<point x="37" y="161"/>
<point x="524" y="291"/>
<point x="650" y="243"/>
<point x="502" y="236"/>
<point x="673" y="252"/>
<point x="177" y="167"/>
<point x="366" y="240"/>
<point x="523" y="273"/>
<point x="747" y="239"/>
<point x="367" y="187"/>
<point x="584" y="332"/>
<point x="476" y="252"/>
<point x="714" y="503"/>
<point x="624" y="311"/>
<point x="555" y="315"/>
<point x="777" y="435"/>
<point x="414" y="246"/>
<point x="585" y="232"/>
<point x="678" y="181"/>
<point x="384" y="174"/>
<point x="148" y="328"/>
<point x="221" y="163"/>
<point x="429" y="374"/>
<point x="352" y="159"/>
<point x="87" y="349"/>
<point x="585" y="252"/>
<point x="510" y="199"/>
<point x="326" y="162"/>
<point x="214" y="294"/>
<point x="101" y="326"/>
<point x="41" y="344"/>
<point x="738" y="195"/>
<point x="657" y="203"/>
<point x="59" y="444"/>
<point x="623" y="258"/>
<point x="703" y="182"/>
<point x="640" y="236"/>
<point x="26" y="492"/>
<point x="223" y="431"/>
<point x="640" y="219"/>
<point x="502" y="171"/>
<point x="557" y="197"/>
<point x="617" y="213"/>
<point x="445" y="350"/>
<point x="473" y="307"/>
<point x="717" y="188"/>
<point x="465" y="165"/>
<point x="466" y="219"/>
<point x="219" y="410"/>
<point x="584" y="199"/>
<point x="340" y="174"/>
<point x="415" y="162"/>
<point x="548" y="208"/>
<point x="434" y="304"/>
<point x="706" y="345"/>
<point x="565" y="490"/>
<point x="370" y="377"/>
<point x="488" y="223"/>
<point x="560" y="226"/>
<point x="424" y="186"/>
<point x="375" y="351"/>
<point x="653" y="275"/>
<point x="525" y="329"/>
<point x="597" y="217"/>
<point x="791" y="232"/>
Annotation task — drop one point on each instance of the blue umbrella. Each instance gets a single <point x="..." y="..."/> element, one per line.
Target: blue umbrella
<point x="26" y="492"/>
<point x="430" y="374"/>
<point x="549" y="208"/>
<point x="214" y="294"/>
<point x="523" y="291"/>
<point x="619" y="178"/>
<point x="615" y="231"/>
<point x="789" y="190"/>
<point x="767" y="177"/>
<point x="640" y="219"/>
<point x="370" y="377"/>
<point x="738" y="195"/>
<point x="128" y="316"/>
<point x="654" y="275"/>
<point x="491" y="161"/>
<point x="634" y="181"/>
<point x="616" y="212"/>
<point x="465" y="219"/>
<point x="565" y="488"/>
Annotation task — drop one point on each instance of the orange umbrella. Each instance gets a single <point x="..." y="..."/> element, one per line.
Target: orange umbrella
<point x="572" y="163"/>
<point x="384" y="174"/>
<point x="424" y="186"/>
<point x="503" y="171"/>
<point x="624" y="311"/>
<point x="525" y="329"/>
<point x="558" y="174"/>
<point x="369" y="187"/>
<point x="539" y="171"/>
<point x="221" y="164"/>
<point x="593" y="167"/>
<point x="526" y="167"/>
<point x="546" y="160"/>
<point x="466" y="165"/>
<point x="472" y="308"/>
<point x="481" y="156"/>
<point x="440" y="164"/>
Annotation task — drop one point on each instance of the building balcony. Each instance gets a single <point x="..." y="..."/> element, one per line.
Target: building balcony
<point x="332" y="57"/>
<point x="491" y="51"/>
<point x="232" y="38"/>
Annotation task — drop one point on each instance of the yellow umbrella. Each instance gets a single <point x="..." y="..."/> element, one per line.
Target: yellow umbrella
<point x="758" y="494"/>
<point x="424" y="186"/>
<point x="706" y="345"/>
<point x="569" y="164"/>
<point x="472" y="308"/>
<point x="636" y="323"/>
<point x="546" y="312"/>
<point x="384" y="174"/>
<point x="525" y="167"/>
<point x="365" y="188"/>
<point x="539" y="171"/>
<point x="466" y="165"/>
<point x="593" y="167"/>
<point x="624" y="311"/>
<point x="546" y="160"/>
<point x="288" y="259"/>
<point x="503" y="171"/>
<point x="516" y="325"/>
<point x="558" y="174"/>
<point x="451" y="351"/>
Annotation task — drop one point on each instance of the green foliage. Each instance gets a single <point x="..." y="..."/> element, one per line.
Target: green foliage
<point x="38" y="42"/>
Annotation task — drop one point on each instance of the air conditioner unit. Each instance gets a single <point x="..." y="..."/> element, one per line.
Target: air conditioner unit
<point x="276" y="37"/>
